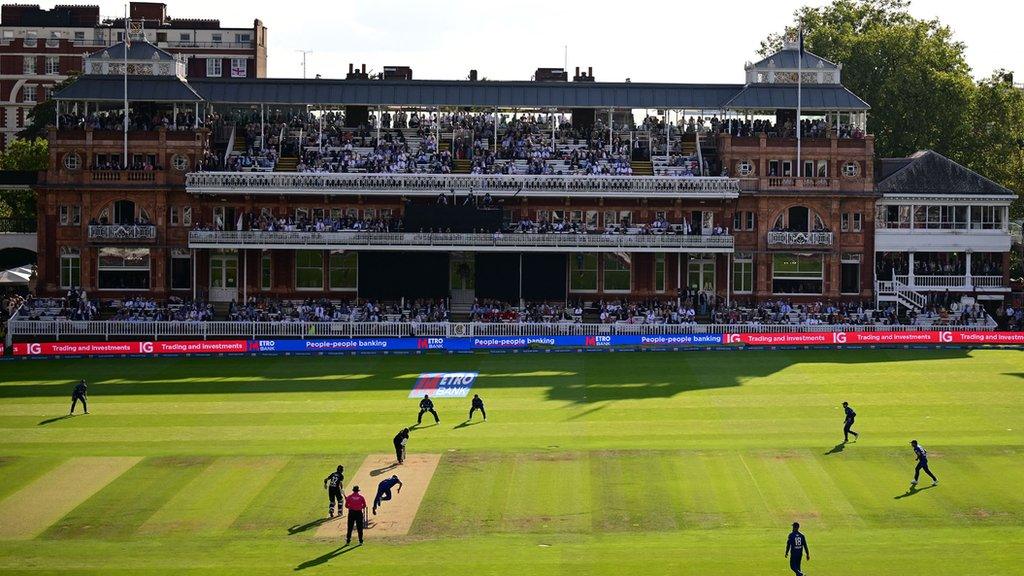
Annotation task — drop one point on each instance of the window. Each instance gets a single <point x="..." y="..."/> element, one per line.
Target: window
<point x="28" y="65"/>
<point x="583" y="272"/>
<point x="743" y="273"/>
<point x="243" y="38"/>
<point x="858" y="221"/>
<point x="213" y="67"/>
<point x="895" y="216"/>
<point x="851" y="169"/>
<point x="123" y="268"/>
<point x="53" y="65"/>
<point x="217" y="38"/>
<point x="822" y="169"/>
<point x="70" y="267"/>
<point x="745" y="168"/>
<point x="344" y="270"/>
<point x="743" y="221"/>
<point x="29" y="92"/>
<point x="266" y="271"/>
<point x="181" y="269"/>
<point x="180" y="162"/>
<point x="808" y="169"/>
<point x="309" y="270"/>
<point x="797" y="274"/>
<point x="186" y="215"/>
<point x="659" y="272"/>
<point x="239" y="67"/>
<point x="185" y="37"/>
<point x="787" y="168"/>
<point x="79" y="36"/>
<point x="773" y="167"/>
<point x="844" y="222"/>
<point x="173" y="219"/>
<point x="30" y="40"/>
<point x="70" y="215"/>
<point x="616" y="272"/>
<point x="72" y="161"/>
<point x="849" y="282"/>
<point x="986" y="217"/>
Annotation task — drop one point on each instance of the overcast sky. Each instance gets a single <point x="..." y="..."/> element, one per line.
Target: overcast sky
<point x="645" y="40"/>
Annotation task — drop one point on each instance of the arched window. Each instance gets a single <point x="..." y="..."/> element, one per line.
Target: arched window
<point x="124" y="212"/>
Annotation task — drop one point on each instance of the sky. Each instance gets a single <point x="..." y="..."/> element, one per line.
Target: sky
<point x="644" y="40"/>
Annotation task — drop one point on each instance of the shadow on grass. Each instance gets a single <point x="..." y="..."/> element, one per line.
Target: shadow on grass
<point x="467" y="424"/>
<point x="573" y="378"/>
<point x="586" y="412"/>
<point x="326" y="557"/>
<point x="836" y="449"/>
<point x="383" y="470"/>
<point x="912" y="491"/>
<point x="52" y="420"/>
<point x="298" y="529"/>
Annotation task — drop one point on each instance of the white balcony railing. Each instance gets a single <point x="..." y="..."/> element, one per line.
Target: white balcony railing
<point x="800" y="238"/>
<point x="117" y="329"/>
<point x="951" y="282"/>
<point x="125" y="232"/>
<point x="443" y="241"/>
<point x="283" y="183"/>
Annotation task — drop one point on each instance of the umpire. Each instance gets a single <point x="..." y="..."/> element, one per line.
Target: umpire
<point x="426" y="405"/>
<point x="356" y="505"/>
<point x="335" y="491"/>
<point x="400" y="441"/>
<point x="80" y="394"/>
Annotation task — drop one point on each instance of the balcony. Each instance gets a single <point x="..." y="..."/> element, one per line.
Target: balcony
<point x="440" y="242"/>
<point x="122" y="233"/>
<point x="962" y="283"/>
<point x="190" y="44"/>
<point x="790" y="183"/>
<point x="290" y="184"/>
<point x="778" y="239"/>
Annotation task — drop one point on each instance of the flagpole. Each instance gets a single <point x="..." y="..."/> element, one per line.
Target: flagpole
<point x="799" y="94"/>
<point x="125" y="45"/>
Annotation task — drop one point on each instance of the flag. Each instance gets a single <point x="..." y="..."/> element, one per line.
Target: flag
<point x="801" y="41"/>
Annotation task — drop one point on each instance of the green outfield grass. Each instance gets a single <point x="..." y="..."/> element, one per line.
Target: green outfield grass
<point x="609" y="463"/>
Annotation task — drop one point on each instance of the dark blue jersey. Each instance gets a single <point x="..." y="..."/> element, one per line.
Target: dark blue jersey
<point x="478" y="402"/>
<point x="426" y="404"/>
<point x="80" y="391"/>
<point x="850" y="414"/>
<point x="335" y="480"/>
<point x="922" y="454"/>
<point x="796" y="543"/>
<point x="388" y="484"/>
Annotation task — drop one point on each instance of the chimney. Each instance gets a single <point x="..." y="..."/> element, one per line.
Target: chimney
<point x="590" y="70"/>
<point x="472" y="76"/>
<point x="363" y="71"/>
<point x="577" y="71"/>
<point x="350" y="68"/>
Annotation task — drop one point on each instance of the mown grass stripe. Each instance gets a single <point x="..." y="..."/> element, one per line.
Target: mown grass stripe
<point x="29" y="511"/>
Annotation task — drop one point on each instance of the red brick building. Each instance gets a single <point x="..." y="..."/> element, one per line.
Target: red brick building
<point x="39" y="48"/>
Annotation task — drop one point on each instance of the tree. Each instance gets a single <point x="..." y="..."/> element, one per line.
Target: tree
<point x="915" y="75"/>
<point x="912" y="72"/>
<point x="997" y="145"/>
<point x="45" y="113"/>
<point x="27" y="155"/>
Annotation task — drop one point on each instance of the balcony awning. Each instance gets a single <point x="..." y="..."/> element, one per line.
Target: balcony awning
<point x="110" y="88"/>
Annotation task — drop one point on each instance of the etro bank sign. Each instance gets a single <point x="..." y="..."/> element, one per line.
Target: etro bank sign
<point x="443" y="384"/>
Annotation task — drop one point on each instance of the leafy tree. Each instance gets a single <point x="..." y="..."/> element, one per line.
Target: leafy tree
<point x="31" y="155"/>
<point x="915" y="75"/>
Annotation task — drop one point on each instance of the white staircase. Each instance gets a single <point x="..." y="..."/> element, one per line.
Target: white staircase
<point x="461" y="305"/>
<point x="896" y="291"/>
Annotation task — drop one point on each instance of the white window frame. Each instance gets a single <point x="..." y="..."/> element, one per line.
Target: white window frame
<point x="70" y="260"/>
<point x="214" y="68"/>
<point x="243" y="64"/>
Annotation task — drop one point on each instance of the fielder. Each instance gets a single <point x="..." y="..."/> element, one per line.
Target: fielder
<point x="797" y="544"/>
<point x="848" y="423"/>
<point x="427" y="405"/>
<point x="922" y="464"/>
<point x="384" y="491"/>
<point x="80" y="394"/>
<point x="478" y="404"/>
